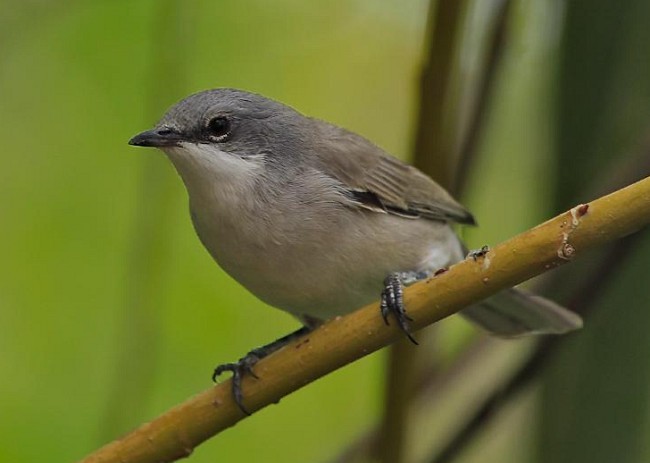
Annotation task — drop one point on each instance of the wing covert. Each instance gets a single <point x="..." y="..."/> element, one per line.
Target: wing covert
<point x="378" y="181"/>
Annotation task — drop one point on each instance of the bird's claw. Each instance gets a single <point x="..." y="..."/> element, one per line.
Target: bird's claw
<point x="244" y="366"/>
<point x="392" y="302"/>
<point x="476" y="253"/>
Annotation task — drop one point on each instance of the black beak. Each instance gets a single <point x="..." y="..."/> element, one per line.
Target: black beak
<point x="157" y="138"/>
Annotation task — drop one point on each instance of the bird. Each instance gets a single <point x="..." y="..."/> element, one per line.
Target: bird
<point x="317" y="220"/>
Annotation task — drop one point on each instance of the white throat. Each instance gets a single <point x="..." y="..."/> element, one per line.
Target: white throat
<point x="210" y="173"/>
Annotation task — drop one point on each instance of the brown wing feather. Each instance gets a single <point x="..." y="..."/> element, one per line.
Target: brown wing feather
<point x="381" y="182"/>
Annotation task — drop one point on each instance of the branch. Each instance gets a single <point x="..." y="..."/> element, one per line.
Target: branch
<point x="344" y="339"/>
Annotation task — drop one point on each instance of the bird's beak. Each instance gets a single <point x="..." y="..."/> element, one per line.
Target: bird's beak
<point x="157" y="138"/>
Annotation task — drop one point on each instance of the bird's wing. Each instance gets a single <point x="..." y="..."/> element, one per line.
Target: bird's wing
<point x="380" y="182"/>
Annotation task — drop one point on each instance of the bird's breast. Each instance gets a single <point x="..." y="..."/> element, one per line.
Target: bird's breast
<point x="322" y="260"/>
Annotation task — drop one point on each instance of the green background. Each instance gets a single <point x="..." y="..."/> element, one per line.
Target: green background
<point x="111" y="311"/>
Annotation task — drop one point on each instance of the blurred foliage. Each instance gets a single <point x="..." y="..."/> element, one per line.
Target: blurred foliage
<point x="111" y="311"/>
<point x="595" y="396"/>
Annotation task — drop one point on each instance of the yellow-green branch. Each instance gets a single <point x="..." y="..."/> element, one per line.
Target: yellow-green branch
<point x="175" y="433"/>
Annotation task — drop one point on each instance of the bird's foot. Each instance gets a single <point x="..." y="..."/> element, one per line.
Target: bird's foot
<point x="392" y="302"/>
<point x="476" y="253"/>
<point x="244" y="366"/>
<point x="240" y="368"/>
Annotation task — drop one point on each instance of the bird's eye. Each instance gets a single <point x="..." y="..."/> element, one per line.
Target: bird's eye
<point x="218" y="128"/>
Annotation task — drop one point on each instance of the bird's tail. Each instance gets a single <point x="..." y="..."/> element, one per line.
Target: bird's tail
<point x="515" y="312"/>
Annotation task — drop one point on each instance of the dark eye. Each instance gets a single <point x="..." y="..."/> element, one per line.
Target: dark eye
<point x="218" y="128"/>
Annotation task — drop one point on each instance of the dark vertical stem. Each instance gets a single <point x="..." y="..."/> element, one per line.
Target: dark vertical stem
<point x="433" y="147"/>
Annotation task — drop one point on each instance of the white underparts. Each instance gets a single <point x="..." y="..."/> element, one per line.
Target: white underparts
<point x="444" y="253"/>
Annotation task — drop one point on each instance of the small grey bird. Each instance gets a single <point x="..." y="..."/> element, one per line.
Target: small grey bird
<point x="318" y="221"/>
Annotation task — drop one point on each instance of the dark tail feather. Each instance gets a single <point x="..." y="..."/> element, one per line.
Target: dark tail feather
<point x="515" y="312"/>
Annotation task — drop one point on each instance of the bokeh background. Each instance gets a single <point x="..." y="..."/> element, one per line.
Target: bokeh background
<point x="111" y="311"/>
